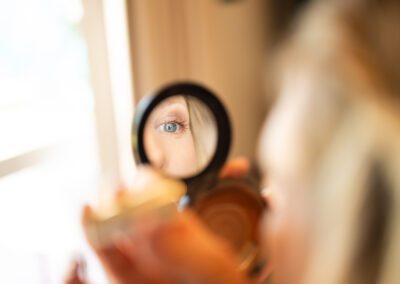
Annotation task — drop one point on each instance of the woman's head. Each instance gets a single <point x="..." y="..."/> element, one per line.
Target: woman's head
<point x="331" y="148"/>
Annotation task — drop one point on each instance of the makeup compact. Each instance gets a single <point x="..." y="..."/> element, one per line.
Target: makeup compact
<point x="183" y="131"/>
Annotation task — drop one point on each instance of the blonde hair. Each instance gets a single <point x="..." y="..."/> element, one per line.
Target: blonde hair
<point x="204" y="130"/>
<point x="348" y="52"/>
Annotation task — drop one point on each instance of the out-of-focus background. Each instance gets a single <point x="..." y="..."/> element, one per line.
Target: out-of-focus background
<point x="70" y="74"/>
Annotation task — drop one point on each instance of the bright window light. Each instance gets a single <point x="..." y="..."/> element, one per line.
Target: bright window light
<point x="46" y="102"/>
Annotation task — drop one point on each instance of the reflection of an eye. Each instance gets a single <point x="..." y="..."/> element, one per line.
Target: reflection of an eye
<point x="171" y="127"/>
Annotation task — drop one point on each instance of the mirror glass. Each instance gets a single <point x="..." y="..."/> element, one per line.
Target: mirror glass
<point x="180" y="136"/>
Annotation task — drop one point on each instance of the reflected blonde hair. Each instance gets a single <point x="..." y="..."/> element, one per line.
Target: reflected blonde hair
<point x="203" y="129"/>
<point x="348" y="54"/>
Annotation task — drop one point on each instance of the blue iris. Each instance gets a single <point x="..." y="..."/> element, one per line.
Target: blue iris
<point x="170" y="127"/>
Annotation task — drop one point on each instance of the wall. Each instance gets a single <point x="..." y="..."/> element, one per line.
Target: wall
<point x="219" y="43"/>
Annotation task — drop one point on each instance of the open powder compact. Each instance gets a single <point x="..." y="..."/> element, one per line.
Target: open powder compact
<point x="183" y="131"/>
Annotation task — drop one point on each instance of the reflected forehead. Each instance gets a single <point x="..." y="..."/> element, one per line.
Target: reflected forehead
<point x="179" y="99"/>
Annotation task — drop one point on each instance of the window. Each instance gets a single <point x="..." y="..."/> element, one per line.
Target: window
<point x="53" y="103"/>
<point x="44" y="78"/>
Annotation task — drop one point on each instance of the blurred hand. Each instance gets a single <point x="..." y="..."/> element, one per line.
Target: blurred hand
<point x="181" y="250"/>
<point x="239" y="167"/>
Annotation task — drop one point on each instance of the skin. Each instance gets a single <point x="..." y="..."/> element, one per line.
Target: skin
<point x="169" y="140"/>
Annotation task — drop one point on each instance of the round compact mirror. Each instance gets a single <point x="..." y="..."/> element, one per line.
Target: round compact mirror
<point x="183" y="130"/>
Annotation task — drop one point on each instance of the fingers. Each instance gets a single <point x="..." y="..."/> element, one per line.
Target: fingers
<point x="170" y="251"/>
<point x="188" y="249"/>
<point x="238" y="167"/>
<point x="118" y="264"/>
<point x="181" y="250"/>
<point x="129" y="258"/>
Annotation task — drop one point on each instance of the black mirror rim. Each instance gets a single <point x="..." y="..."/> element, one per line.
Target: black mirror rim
<point x="148" y="103"/>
